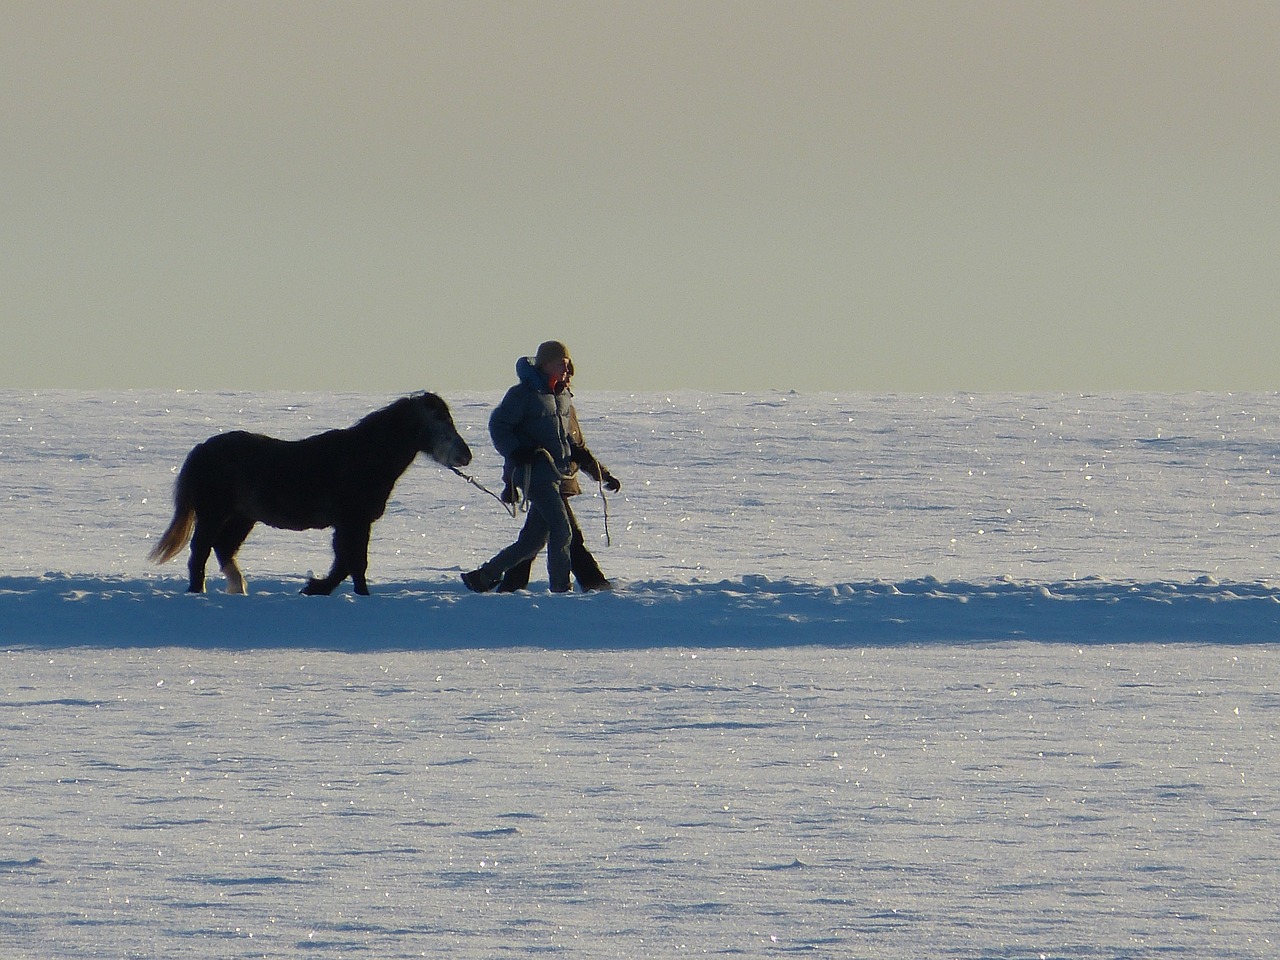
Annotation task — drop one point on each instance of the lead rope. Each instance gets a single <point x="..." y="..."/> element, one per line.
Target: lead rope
<point x="608" y="541"/>
<point x="511" y="508"/>
<point x="522" y="504"/>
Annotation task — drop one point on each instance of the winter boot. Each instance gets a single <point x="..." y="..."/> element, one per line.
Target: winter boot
<point x="478" y="581"/>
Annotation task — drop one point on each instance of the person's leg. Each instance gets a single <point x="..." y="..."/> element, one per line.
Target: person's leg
<point x="545" y="522"/>
<point x="555" y="511"/>
<point x="517" y="578"/>
<point x="584" y="566"/>
<point x="532" y="537"/>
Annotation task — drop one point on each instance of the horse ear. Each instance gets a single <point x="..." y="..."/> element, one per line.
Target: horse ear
<point x="432" y="401"/>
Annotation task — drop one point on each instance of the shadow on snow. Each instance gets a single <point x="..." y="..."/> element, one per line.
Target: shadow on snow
<point x="58" y="610"/>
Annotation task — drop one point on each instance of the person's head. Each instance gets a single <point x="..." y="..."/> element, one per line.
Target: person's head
<point x="553" y="360"/>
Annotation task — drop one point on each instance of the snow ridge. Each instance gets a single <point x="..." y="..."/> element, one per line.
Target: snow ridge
<point x="61" y="610"/>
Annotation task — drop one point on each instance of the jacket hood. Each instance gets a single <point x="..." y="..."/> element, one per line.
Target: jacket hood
<point x="530" y="375"/>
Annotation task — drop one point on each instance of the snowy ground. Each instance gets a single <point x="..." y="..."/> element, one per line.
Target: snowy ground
<point x="887" y="677"/>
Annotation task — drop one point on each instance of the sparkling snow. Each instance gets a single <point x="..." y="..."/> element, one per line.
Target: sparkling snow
<point x="885" y="677"/>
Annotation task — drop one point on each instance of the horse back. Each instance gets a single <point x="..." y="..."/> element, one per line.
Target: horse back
<point x="293" y="484"/>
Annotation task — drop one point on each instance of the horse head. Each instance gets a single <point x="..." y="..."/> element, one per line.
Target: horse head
<point x="438" y="437"/>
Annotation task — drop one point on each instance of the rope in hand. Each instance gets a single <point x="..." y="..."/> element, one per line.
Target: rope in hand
<point x="522" y="504"/>
<point x="608" y="541"/>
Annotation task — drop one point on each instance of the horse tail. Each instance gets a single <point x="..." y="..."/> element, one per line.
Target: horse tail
<point x="183" y="522"/>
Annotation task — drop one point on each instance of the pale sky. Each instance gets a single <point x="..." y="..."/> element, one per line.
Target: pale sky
<point x="898" y="196"/>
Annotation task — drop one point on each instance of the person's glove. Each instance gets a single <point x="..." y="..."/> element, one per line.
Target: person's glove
<point x="523" y="456"/>
<point x="611" y="483"/>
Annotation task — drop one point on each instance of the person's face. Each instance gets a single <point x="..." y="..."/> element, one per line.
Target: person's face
<point x="556" y="369"/>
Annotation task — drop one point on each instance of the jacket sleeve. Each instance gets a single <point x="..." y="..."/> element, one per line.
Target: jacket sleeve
<point x="583" y="457"/>
<point x="504" y="423"/>
<point x="592" y="467"/>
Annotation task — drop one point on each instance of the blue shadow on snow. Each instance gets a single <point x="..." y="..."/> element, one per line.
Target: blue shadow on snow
<point x="58" y="611"/>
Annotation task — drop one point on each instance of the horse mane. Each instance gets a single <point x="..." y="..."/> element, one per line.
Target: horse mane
<point x="383" y="414"/>
<point x="396" y="410"/>
<point x="388" y="420"/>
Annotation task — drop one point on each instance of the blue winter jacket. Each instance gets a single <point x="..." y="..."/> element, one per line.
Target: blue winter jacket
<point x="531" y="416"/>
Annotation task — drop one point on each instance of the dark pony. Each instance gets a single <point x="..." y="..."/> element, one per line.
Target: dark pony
<point x="340" y="479"/>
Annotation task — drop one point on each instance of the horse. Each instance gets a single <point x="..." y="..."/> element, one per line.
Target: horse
<point x="340" y="479"/>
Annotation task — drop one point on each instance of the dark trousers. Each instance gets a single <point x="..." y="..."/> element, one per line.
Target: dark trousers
<point x="547" y="524"/>
<point x="585" y="569"/>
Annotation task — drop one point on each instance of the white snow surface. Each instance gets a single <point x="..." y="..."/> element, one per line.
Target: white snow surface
<point x="883" y="676"/>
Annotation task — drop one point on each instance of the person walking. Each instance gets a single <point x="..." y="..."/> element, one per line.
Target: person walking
<point x="532" y="429"/>
<point x="586" y="570"/>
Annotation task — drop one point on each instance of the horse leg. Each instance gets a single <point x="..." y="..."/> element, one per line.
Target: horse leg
<point x="201" y="544"/>
<point x="232" y="535"/>
<point x="355" y="545"/>
<point x="337" y="573"/>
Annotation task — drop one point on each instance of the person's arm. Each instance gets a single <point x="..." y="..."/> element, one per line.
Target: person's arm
<point x="504" y="424"/>
<point x="586" y="460"/>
